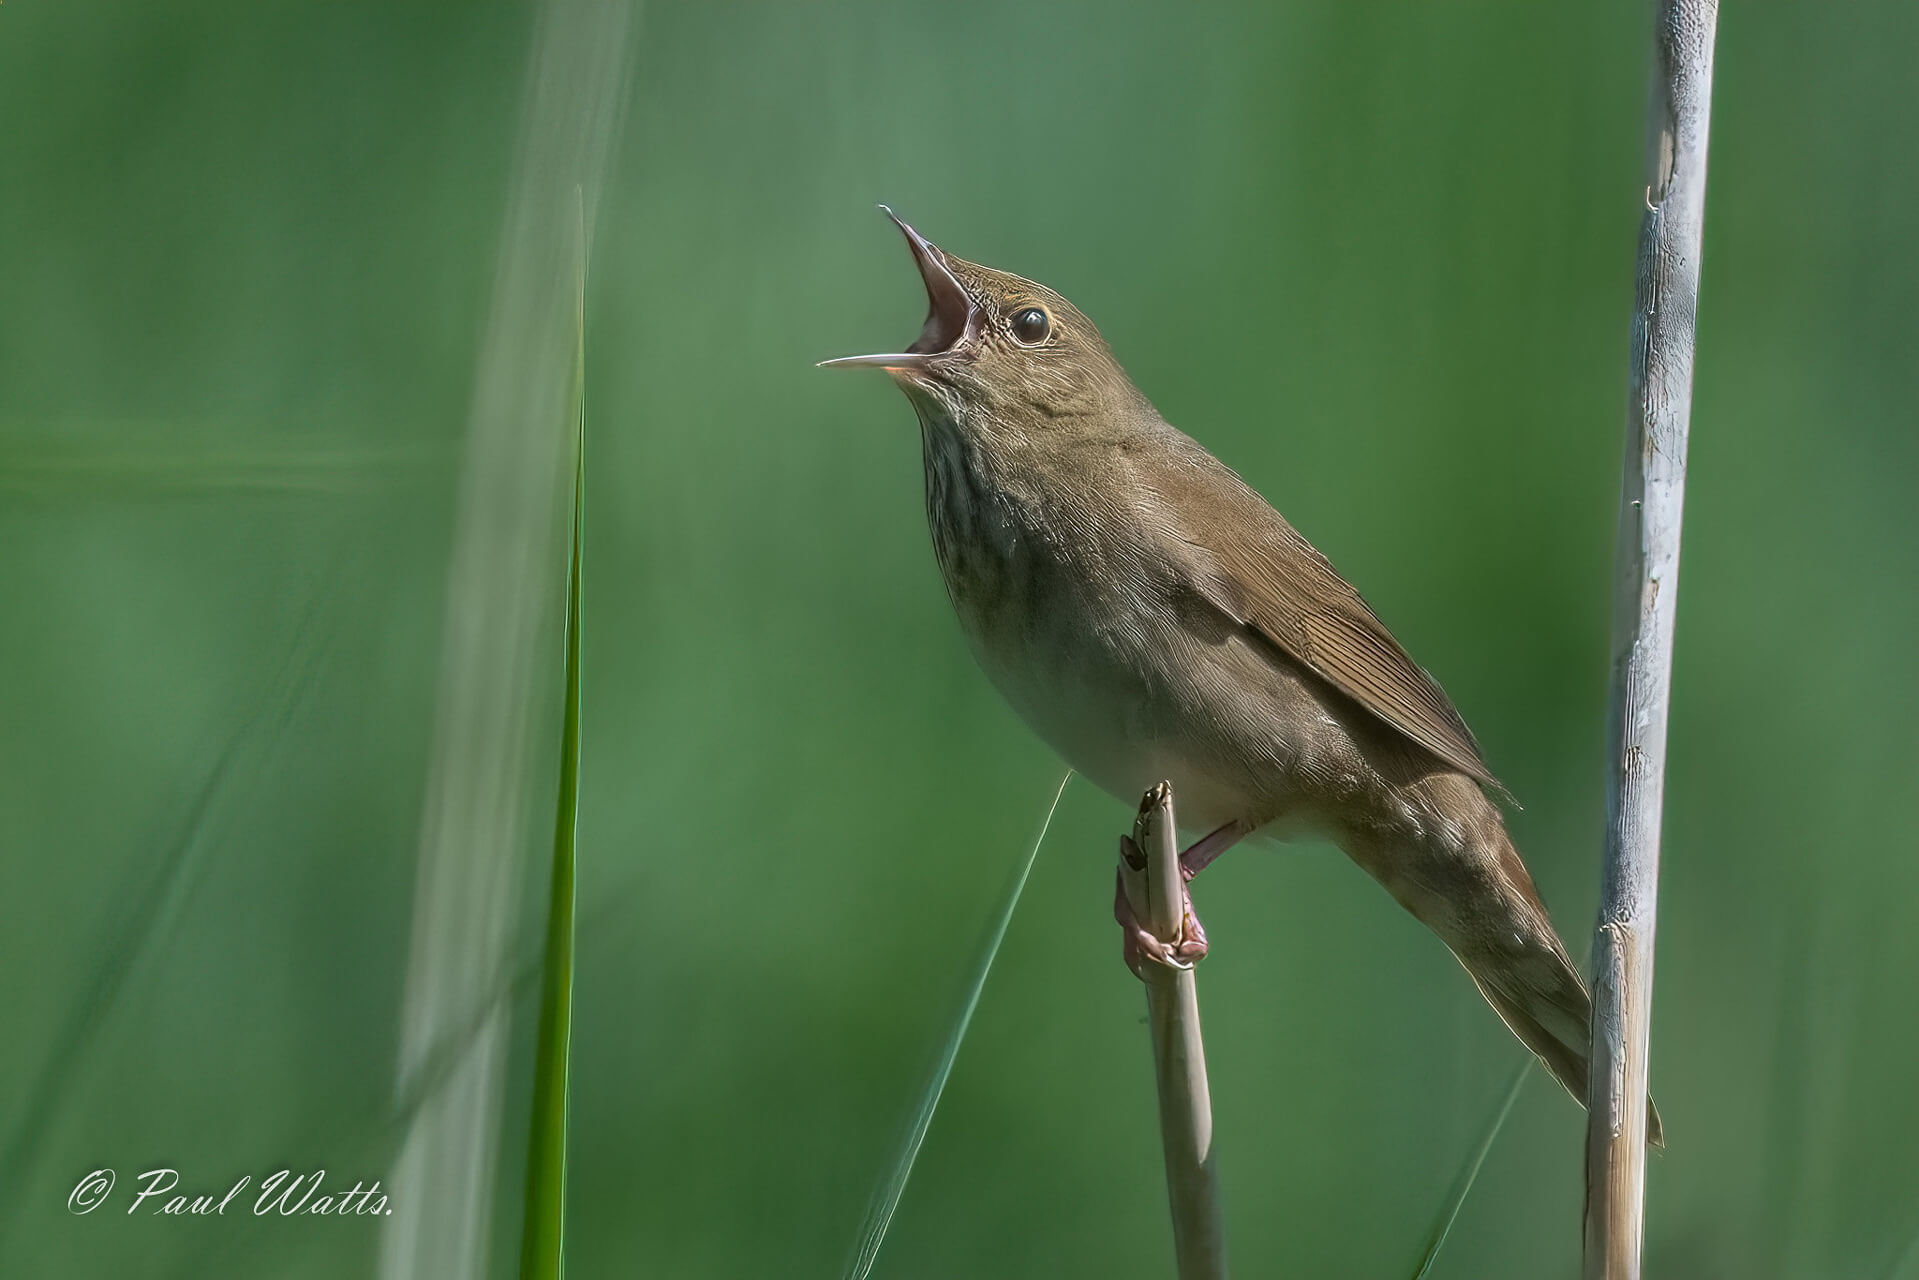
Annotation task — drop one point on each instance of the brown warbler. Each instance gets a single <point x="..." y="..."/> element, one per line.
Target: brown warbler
<point x="1152" y="617"/>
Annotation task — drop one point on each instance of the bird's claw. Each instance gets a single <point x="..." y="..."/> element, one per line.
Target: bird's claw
<point x="1139" y="946"/>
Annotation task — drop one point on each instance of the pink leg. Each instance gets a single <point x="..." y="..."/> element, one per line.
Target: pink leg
<point x="1138" y="942"/>
<point x="1209" y="846"/>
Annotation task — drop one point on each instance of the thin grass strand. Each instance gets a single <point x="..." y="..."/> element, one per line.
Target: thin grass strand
<point x="886" y="1199"/>
<point x="1469" y="1174"/>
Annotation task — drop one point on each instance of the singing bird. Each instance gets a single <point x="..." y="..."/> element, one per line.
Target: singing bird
<point x="1151" y="617"/>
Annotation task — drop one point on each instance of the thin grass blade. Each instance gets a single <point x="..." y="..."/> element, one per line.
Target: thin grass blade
<point x="1469" y="1174"/>
<point x="128" y="946"/>
<point x="886" y="1198"/>
<point x="543" y="1230"/>
<point x="487" y="780"/>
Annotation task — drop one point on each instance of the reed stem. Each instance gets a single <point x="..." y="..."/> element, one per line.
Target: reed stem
<point x="1155" y="890"/>
<point x="1646" y="591"/>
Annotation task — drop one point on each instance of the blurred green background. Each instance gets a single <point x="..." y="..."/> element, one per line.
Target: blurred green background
<point x="1378" y="257"/>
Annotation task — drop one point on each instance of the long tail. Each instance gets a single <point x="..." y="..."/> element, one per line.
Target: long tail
<point x="1542" y="999"/>
<point x="1482" y="904"/>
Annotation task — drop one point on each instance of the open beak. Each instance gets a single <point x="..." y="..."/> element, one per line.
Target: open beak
<point x="950" y="313"/>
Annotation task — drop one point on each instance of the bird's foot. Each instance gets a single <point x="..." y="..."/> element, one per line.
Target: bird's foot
<point x="1138" y="944"/>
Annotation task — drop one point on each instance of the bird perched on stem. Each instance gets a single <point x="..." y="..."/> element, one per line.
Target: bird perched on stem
<point x="1151" y="617"/>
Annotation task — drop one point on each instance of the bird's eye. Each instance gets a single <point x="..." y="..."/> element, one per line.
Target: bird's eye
<point x="1031" y="326"/>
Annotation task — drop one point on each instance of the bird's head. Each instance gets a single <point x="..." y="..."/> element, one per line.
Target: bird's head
<point x="999" y="350"/>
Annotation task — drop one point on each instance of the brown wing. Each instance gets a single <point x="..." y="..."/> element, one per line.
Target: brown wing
<point x="1262" y="573"/>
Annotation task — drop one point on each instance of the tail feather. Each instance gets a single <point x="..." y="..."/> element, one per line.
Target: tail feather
<point x="1547" y="1007"/>
<point x="1467" y="883"/>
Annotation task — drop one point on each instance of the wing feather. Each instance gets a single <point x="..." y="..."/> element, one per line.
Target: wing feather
<point x="1268" y="578"/>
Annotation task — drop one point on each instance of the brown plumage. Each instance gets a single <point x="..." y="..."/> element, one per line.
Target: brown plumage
<point x="1152" y="617"/>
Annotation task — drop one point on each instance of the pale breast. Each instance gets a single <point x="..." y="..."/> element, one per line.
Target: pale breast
<point x="1063" y="613"/>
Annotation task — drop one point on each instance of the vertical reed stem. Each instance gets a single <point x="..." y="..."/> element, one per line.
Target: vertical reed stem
<point x="1646" y="591"/>
<point x="1156" y="893"/>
